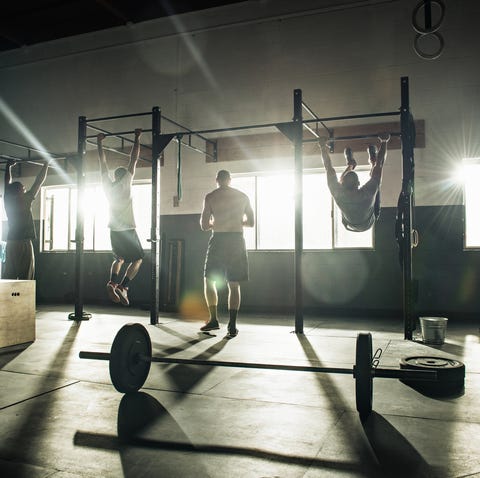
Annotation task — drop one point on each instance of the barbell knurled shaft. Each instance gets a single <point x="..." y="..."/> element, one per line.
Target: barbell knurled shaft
<point x="218" y="363"/>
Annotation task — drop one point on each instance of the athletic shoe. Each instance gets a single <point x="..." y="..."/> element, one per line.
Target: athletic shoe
<point x="212" y="324"/>
<point x="123" y="295"/>
<point x="112" y="292"/>
<point x="372" y="153"/>
<point x="348" y="153"/>
<point x="232" y="332"/>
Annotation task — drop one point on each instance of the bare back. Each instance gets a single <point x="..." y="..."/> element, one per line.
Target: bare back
<point x="226" y="210"/>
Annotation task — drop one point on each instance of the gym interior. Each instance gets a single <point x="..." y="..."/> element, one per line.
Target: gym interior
<point x="217" y="87"/>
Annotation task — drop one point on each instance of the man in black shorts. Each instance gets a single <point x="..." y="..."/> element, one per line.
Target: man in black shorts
<point x="226" y="211"/>
<point x="126" y="246"/>
<point x="360" y="206"/>
<point x="19" y="255"/>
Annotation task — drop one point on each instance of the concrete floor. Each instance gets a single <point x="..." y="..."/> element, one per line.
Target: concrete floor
<point x="61" y="417"/>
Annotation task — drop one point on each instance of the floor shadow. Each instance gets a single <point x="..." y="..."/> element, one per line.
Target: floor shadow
<point x="138" y="414"/>
<point x="7" y="354"/>
<point x="397" y="457"/>
<point x="441" y="391"/>
<point x="175" y="333"/>
<point x="176" y="349"/>
<point x="335" y="396"/>
<point x="30" y="431"/>
<point x="449" y="348"/>
<point x="187" y="376"/>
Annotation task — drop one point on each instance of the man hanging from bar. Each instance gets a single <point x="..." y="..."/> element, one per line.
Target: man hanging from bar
<point x="126" y="246"/>
<point x="360" y="205"/>
<point x="19" y="254"/>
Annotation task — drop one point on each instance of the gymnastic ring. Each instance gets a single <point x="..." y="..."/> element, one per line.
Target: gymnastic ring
<point x="428" y="56"/>
<point x="433" y="28"/>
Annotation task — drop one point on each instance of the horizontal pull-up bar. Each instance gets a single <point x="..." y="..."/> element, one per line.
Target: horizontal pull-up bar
<point x="313" y="115"/>
<point x="117" y="135"/>
<point x="353" y="136"/>
<point x="225" y="130"/>
<point x="122" y="153"/>
<point x="108" y="118"/>
<point x="311" y="130"/>
<point x="29" y="148"/>
<point x="188" y="130"/>
<point x="285" y="123"/>
<point x="7" y="157"/>
<point x="352" y="117"/>
<point x="194" y="148"/>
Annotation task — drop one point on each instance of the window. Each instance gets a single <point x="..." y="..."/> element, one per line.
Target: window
<point x="272" y="197"/>
<point x="59" y="209"/>
<point x="471" y="177"/>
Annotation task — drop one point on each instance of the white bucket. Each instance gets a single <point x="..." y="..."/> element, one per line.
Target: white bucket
<point x="433" y="329"/>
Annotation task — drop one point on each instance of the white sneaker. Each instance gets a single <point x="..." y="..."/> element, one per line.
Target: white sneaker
<point x="122" y="293"/>
<point x="112" y="292"/>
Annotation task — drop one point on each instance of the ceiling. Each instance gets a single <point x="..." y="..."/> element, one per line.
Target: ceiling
<point x="28" y="22"/>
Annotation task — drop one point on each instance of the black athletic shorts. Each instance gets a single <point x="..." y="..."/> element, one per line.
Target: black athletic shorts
<point x="226" y="257"/>
<point x="126" y="245"/>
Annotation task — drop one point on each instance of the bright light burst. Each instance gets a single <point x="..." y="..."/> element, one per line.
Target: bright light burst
<point x="23" y="129"/>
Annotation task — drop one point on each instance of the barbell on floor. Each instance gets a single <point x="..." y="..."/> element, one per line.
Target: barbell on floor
<point x="130" y="358"/>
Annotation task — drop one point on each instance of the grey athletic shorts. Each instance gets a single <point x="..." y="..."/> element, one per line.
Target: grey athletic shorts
<point x="126" y="245"/>
<point x="226" y="257"/>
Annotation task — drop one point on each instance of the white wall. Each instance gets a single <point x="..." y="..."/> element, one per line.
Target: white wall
<point x="239" y="64"/>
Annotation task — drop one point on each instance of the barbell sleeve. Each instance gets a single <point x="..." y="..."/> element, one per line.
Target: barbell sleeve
<point x="94" y="355"/>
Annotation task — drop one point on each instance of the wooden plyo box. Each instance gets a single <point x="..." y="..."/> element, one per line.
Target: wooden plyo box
<point x="17" y="312"/>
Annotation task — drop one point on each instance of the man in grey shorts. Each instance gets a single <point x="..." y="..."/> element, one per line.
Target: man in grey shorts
<point x="226" y="211"/>
<point x="360" y="206"/>
<point x="126" y="245"/>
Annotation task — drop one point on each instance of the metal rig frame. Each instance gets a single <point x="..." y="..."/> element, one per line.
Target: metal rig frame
<point x="293" y="130"/>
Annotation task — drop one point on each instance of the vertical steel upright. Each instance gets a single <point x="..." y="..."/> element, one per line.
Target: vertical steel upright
<point x="298" y="151"/>
<point x="155" y="219"/>
<point x="406" y="204"/>
<point x="79" y="314"/>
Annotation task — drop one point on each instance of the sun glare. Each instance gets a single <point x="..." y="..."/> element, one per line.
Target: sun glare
<point x="23" y="129"/>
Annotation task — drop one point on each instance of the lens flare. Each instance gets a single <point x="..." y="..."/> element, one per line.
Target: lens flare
<point x="193" y="308"/>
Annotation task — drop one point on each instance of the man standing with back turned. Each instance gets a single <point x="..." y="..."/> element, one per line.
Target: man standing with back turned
<point x="225" y="212"/>
<point x="126" y="246"/>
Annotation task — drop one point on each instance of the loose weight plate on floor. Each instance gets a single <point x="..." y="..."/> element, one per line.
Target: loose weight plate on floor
<point x="127" y="371"/>
<point x="363" y="375"/>
<point x="450" y="374"/>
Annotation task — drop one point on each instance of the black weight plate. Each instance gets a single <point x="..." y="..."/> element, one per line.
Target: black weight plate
<point x="450" y="374"/>
<point x="363" y="375"/>
<point x="127" y="372"/>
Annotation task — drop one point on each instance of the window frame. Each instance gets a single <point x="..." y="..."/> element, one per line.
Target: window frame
<point x="475" y="161"/>
<point x="71" y="225"/>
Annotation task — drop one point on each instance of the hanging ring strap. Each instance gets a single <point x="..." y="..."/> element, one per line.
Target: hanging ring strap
<point x="179" y="168"/>
<point x="427" y="6"/>
<point x="415" y="238"/>
<point x="399" y="232"/>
